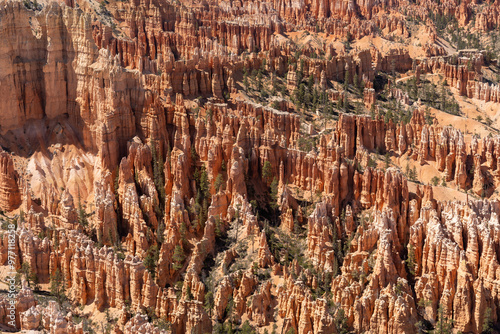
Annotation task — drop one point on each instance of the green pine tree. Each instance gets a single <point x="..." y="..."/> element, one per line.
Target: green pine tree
<point x="58" y="287"/>
<point x="178" y="257"/>
<point x="151" y="260"/>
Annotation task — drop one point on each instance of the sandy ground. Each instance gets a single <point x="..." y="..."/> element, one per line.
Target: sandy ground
<point x="470" y="109"/>
<point x="442" y="193"/>
<point x="4" y="271"/>
<point x="425" y="174"/>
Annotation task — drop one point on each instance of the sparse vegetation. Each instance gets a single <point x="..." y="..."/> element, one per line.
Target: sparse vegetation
<point x="58" y="287"/>
<point x="178" y="257"/>
<point x="151" y="260"/>
<point x="300" y="168"/>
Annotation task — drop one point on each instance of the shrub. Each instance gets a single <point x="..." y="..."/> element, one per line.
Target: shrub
<point x="435" y="181"/>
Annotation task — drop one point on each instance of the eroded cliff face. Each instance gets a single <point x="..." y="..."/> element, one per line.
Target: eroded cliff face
<point x="137" y="166"/>
<point x="9" y="184"/>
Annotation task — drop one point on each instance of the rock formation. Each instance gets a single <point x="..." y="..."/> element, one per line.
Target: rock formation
<point x="202" y="166"/>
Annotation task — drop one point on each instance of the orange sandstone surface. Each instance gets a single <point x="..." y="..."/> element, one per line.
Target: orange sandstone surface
<point x="218" y="166"/>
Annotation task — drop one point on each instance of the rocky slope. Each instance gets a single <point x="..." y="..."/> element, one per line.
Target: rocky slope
<point x="199" y="167"/>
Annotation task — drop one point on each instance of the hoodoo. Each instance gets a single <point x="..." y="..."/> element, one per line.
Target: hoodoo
<point x="185" y="166"/>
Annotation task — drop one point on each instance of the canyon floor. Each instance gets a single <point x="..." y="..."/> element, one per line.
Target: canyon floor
<point x="281" y="166"/>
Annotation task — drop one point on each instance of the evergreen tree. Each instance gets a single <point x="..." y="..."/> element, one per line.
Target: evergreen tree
<point x="443" y="325"/>
<point x="202" y="198"/>
<point x="444" y="104"/>
<point x="387" y="160"/>
<point x="340" y="322"/>
<point x="246" y="328"/>
<point x="413" y="88"/>
<point x="159" y="180"/>
<point x="372" y="111"/>
<point x="58" y="287"/>
<point x="267" y="172"/>
<point x="178" y="257"/>
<point x="346" y="102"/>
<point x="487" y="322"/>
<point x="29" y="275"/>
<point x="413" y="175"/>
<point x="371" y="163"/>
<point x="245" y="81"/>
<point x="274" y="193"/>
<point x="432" y="95"/>
<point x="237" y="222"/>
<point x="428" y="116"/>
<point x="204" y="184"/>
<point x="229" y="310"/>
<point x="82" y="213"/>
<point x="355" y="81"/>
<point x="347" y="43"/>
<point x="410" y="261"/>
<point x="300" y="94"/>
<point x="259" y="81"/>
<point x="160" y="231"/>
<point x="361" y="87"/>
<point x="435" y="181"/>
<point x="151" y="260"/>
<point x="310" y="83"/>
<point x="218" y="182"/>
<point x="209" y="302"/>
